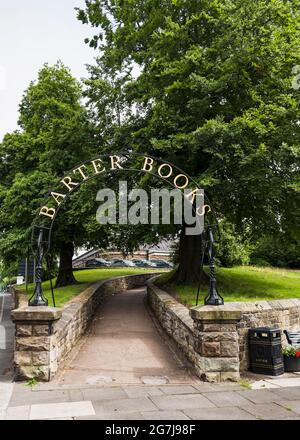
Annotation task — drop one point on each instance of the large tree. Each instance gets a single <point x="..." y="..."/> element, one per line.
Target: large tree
<point x="55" y="134"/>
<point x="208" y="84"/>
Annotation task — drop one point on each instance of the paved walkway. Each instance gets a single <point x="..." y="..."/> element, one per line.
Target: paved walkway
<point x="124" y="346"/>
<point x="6" y="351"/>
<point x="142" y="402"/>
<point x="126" y="370"/>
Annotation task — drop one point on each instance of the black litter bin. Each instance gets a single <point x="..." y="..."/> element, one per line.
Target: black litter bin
<point x="265" y="351"/>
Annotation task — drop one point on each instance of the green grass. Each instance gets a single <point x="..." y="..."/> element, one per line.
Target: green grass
<point x="247" y="283"/>
<point x="84" y="278"/>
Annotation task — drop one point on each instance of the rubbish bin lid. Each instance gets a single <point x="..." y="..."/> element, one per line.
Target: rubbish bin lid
<point x="265" y="329"/>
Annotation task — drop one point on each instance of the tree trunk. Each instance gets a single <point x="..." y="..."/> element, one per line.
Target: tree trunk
<point x="190" y="255"/>
<point x="65" y="275"/>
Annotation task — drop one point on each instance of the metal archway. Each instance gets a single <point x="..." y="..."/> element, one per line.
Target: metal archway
<point x="44" y="221"/>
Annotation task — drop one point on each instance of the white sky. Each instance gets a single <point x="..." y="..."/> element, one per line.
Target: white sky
<point x="33" y="32"/>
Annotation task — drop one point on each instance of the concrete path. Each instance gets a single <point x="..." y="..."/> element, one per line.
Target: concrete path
<point x="124" y="346"/>
<point x="6" y="351"/>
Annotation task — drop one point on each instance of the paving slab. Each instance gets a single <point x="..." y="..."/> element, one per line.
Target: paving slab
<point x="142" y="391"/>
<point x="262" y="384"/>
<point x="226" y="398"/>
<point x="63" y="418"/>
<point x="287" y="393"/>
<point x="30" y="398"/>
<point x="103" y="394"/>
<point x="178" y="389"/>
<point x="225" y="413"/>
<point x="114" y="416"/>
<point x="76" y="395"/>
<point x="180" y="401"/>
<point x="221" y="386"/>
<point x="124" y="405"/>
<point x="293" y="405"/>
<point x="269" y="411"/>
<point x="59" y="410"/>
<point x="259" y="396"/>
<point x="18" y="413"/>
<point x="165" y="415"/>
<point x="288" y="382"/>
<point x="6" y="390"/>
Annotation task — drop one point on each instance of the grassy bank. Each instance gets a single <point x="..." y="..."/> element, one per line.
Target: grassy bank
<point x="245" y="283"/>
<point x="84" y="279"/>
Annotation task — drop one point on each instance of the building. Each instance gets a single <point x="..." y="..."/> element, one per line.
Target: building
<point x="162" y="251"/>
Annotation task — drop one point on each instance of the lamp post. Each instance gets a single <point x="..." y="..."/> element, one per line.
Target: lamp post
<point x="213" y="298"/>
<point x="38" y="298"/>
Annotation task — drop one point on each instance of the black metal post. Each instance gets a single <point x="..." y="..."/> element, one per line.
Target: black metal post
<point x="38" y="298"/>
<point x="213" y="298"/>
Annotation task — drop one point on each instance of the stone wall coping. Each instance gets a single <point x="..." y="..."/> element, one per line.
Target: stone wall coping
<point x="36" y="314"/>
<point x="215" y="313"/>
<point x="235" y="310"/>
<point x="90" y="290"/>
<point x="240" y="307"/>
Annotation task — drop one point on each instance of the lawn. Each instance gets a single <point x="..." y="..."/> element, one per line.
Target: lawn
<point x="84" y="278"/>
<point x="245" y="283"/>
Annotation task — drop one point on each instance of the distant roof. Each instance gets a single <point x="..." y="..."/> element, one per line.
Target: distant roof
<point x="163" y="246"/>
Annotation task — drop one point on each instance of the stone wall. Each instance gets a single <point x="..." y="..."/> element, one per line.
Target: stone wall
<point x="283" y="314"/>
<point x="209" y="340"/>
<point x="215" y="338"/>
<point x="173" y="317"/>
<point x="44" y="336"/>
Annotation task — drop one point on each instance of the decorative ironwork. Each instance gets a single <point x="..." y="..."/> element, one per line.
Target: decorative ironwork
<point x="213" y="298"/>
<point x="38" y="298"/>
<point x="43" y="240"/>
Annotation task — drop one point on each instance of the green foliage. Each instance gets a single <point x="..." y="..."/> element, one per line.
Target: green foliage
<point x="208" y="85"/>
<point x="55" y="134"/>
<point x="291" y="351"/>
<point x="231" y="251"/>
<point x="32" y="383"/>
<point x="279" y="251"/>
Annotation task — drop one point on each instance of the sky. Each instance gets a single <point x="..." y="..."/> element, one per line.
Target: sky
<point x="34" y="32"/>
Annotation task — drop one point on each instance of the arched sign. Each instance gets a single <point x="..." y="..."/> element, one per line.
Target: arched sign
<point x="99" y="166"/>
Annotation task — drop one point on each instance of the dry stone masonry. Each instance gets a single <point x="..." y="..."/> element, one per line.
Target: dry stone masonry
<point x="215" y="338"/>
<point x="44" y="336"/>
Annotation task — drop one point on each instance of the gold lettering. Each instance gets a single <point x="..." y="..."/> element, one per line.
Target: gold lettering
<point x="97" y="166"/>
<point x="79" y="169"/>
<point x="148" y="164"/>
<point x="194" y="194"/>
<point x="67" y="181"/>
<point x="48" y="212"/>
<point x="115" y="162"/>
<point x="167" y="175"/>
<point x="203" y="210"/>
<point x="58" y="196"/>
<point x="179" y="177"/>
